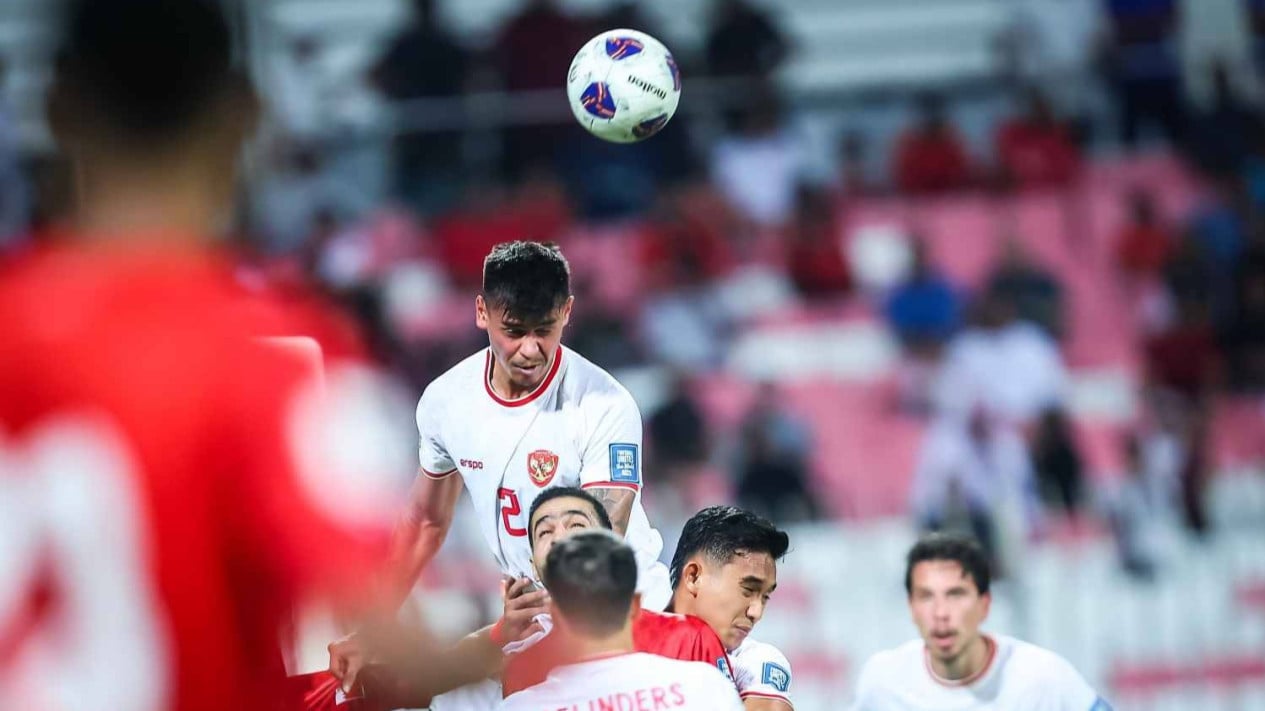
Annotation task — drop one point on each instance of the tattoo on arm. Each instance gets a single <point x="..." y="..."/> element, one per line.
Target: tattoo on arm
<point x="618" y="504"/>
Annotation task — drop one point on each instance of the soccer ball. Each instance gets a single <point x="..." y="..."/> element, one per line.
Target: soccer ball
<point x="623" y="86"/>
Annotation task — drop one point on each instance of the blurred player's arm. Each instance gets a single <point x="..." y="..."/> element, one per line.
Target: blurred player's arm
<point x="421" y="530"/>
<point x="611" y="467"/>
<point x="752" y="703"/>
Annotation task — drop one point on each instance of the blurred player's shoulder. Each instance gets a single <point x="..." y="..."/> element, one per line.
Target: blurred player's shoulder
<point x="893" y="664"/>
<point x="585" y="382"/>
<point x="1035" y="669"/>
<point x="461" y="380"/>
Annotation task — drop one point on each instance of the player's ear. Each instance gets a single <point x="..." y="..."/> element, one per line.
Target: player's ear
<point x="690" y="575"/>
<point x="480" y="312"/>
<point x="987" y="601"/>
<point x="566" y="310"/>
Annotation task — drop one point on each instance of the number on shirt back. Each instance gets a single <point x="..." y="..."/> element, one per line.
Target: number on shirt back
<point x="510" y="509"/>
<point x="73" y="586"/>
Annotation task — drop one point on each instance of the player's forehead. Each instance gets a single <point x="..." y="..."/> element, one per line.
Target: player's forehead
<point x="941" y="573"/>
<point x="748" y="565"/>
<point x="562" y="508"/>
<point x="507" y="315"/>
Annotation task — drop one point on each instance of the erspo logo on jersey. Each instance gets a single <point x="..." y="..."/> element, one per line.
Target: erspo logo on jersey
<point x="624" y="467"/>
<point x="777" y="677"/>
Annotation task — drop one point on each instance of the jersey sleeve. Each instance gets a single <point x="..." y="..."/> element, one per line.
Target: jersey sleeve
<point x="612" y="452"/>
<point x="864" y="698"/>
<point x="432" y="455"/>
<point x="722" y="693"/>
<point x="763" y="672"/>
<point x="1062" y="688"/>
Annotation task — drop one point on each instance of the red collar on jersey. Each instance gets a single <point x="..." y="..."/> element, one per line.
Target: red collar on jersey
<point x="988" y="664"/>
<point x="540" y="389"/>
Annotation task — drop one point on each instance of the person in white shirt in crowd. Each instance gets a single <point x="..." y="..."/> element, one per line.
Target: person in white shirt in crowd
<point x="592" y="578"/>
<point x="954" y="666"/>
<point x="723" y="571"/>
<point x="519" y="416"/>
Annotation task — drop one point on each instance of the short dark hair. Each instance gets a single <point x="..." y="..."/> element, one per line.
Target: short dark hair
<point x="962" y="549"/>
<point x="721" y="532"/>
<point x="570" y="492"/>
<point x="592" y="577"/>
<point x="528" y="280"/>
<point x="146" y="70"/>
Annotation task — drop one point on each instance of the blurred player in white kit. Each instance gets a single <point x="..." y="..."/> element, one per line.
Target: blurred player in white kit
<point x="954" y="666"/>
<point x="723" y="571"/>
<point x="592" y="578"/>
<point x="524" y="414"/>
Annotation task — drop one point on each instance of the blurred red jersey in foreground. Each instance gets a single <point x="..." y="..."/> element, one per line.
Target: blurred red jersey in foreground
<point x="160" y="507"/>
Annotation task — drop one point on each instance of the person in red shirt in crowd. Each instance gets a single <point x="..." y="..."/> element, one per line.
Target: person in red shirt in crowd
<point x="172" y="484"/>
<point x="1143" y="245"/>
<point x="931" y="157"/>
<point x="523" y="646"/>
<point x="816" y="261"/>
<point x="1037" y="149"/>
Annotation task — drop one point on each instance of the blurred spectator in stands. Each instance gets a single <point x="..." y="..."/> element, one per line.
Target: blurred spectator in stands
<point x="1135" y="510"/>
<point x="930" y="156"/>
<point x="1216" y="32"/>
<point x="773" y="456"/>
<point x="1036" y="294"/>
<point x="1004" y="364"/>
<point x="817" y="265"/>
<point x="679" y="440"/>
<point x="1182" y="369"/>
<point x="743" y="41"/>
<point x="683" y="239"/>
<point x="924" y="311"/>
<point x="1140" y="61"/>
<point x="425" y="62"/>
<point x="1057" y="461"/>
<point x="757" y="168"/>
<point x="855" y="179"/>
<point x="974" y="475"/>
<point x="1223" y="134"/>
<point x="1219" y="225"/>
<point x="533" y="52"/>
<point x="14" y="191"/>
<point x="1037" y="149"/>
<point x="1144" y="243"/>
<point x="1054" y="42"/>
<point x="1243" y="339"/>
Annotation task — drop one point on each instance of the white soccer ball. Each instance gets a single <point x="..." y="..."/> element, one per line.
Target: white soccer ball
<point x="623" y="86"/>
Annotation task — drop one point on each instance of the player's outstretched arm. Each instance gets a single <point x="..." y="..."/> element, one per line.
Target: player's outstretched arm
<point x="421" y="530"/>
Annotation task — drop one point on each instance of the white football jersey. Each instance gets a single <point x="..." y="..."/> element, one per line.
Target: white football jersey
<point x="761" y="671"/>
<point x="1018" y="677"/>
<point x="630" y="681"/>
<point x="580" y="427"/>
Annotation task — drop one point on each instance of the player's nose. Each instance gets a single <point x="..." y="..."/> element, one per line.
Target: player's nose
<point x="755" y="611"/>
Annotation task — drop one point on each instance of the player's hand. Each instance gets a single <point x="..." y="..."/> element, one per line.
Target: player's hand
<point x="347" y="657"/>
<point x="523" y="601"/>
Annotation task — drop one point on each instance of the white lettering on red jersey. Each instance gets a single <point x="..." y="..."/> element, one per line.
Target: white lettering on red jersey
<point x="580" y="427"/>
<point x="634" y="682"/>
<point x="1017" y="677"/>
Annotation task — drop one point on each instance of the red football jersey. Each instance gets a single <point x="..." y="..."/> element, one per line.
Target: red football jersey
<point x="663" y="633"/>
<point x="158" y="509"/>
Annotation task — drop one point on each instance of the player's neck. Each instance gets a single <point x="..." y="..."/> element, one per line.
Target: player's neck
<point x="586" y="648"/>
<point x="507" y="389"/>
<point x="128" y="202"/>
<point x="967" y="665"/>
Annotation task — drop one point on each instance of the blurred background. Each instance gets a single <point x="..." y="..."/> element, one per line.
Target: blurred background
<point x="895" y="265"/>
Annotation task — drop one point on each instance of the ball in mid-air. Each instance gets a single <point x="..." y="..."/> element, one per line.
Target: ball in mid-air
<point x="623" y="86"/>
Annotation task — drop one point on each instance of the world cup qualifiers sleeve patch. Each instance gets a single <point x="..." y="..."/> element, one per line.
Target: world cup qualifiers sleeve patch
<point x="723" y="665"/>
<point x="1100" y="705"/>
<point x="777" y="677"/>
<point x="624" y="468"/>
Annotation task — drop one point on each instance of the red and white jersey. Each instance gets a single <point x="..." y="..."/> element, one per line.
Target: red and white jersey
<point x="580" y="427"/>
<point x="761" y="671"/>
<point x="158" y="514"/>
<point x="664" y="634"/>
<point x="630" y="681"/>
<point x="1017" y="677"/>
